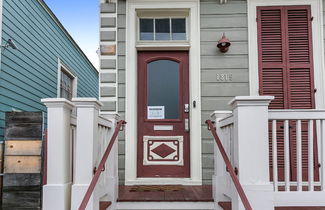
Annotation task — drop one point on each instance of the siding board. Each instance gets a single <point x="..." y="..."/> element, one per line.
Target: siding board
<point x="30" y="73"/>
<point x="216" y="18"/>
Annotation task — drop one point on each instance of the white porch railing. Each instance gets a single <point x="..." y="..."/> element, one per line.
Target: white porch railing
<point x="76" y="144"/>
<point x="302" y="134"/>
<point x="244" y="133"/>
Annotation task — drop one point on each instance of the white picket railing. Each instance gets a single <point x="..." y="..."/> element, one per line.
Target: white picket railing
<point x="225" y="129"/>
<point x="77" y="138"/>
<point x="255" y="137"/>
<point x="104" y="134"/>
<point x="301" y="129"/>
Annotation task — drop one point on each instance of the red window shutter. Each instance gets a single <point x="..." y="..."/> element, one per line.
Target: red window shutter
<point x="299" y="63"/>
<point x="286" y="70"/>
<point x="271" y="57"/>
<point x="300" y="78"/>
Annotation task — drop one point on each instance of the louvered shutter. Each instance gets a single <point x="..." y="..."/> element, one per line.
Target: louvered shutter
<point x="286" y="69"/>
<point x="272" y="70"/>
<point x="299" y="62"/>
<point x="300" y="77"/>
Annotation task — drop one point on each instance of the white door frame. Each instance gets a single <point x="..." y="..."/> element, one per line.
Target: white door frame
<point x="131" y="88"/>
<point x="318" y="44"/>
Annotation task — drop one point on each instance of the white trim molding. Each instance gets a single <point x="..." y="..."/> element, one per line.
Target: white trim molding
<point x="193" y="6"/>
<point x="318" y="45"/>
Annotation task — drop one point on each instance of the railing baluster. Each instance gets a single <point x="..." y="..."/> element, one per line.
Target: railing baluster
<point x="274" y="156"/>
<point x="286" y="156"/>
<point x="299" y="156"/>
<point x="310" y="156"/>
<point x="322" y="151"/>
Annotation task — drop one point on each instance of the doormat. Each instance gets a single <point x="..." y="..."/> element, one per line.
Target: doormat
<point x="156" y="188"/>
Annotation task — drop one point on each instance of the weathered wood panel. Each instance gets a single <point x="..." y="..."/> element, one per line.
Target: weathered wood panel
<point x="23" y="131"/>
<point x="21" y="180"/>
<point x="23" y="125"/>
<point x="22" y="164"/>
<point x="27" y="147"/>
<point x="24" y="117"/>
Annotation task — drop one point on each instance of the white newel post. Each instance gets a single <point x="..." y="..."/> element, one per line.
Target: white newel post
<point x="251" y="147"/>
<point x="85" y="147"/>
<point x="220" y="175"/>
<point x="57" y="191"/>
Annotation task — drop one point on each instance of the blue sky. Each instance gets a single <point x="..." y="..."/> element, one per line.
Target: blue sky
<point x="81" y="19"/>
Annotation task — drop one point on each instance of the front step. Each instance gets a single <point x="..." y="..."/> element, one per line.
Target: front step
<point x="145" y="197"/>
<point x="165" y="205"/>
<point x="227" y="206"/>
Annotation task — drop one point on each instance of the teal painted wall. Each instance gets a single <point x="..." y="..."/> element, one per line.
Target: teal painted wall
<point x="30" y="73"/>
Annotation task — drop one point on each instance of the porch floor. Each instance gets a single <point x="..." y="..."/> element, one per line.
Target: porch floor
<point x="156" y="193"/>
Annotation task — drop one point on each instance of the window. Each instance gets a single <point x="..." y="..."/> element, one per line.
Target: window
<point x="162" y="29"/>
<point x="66" y="83"/>
<point x="66" y="86"/>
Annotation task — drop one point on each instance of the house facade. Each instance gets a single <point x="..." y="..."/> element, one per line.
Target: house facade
<point x="169" y="49"/>
<point x="46" y="63"/>
<point x="214" y="105"/>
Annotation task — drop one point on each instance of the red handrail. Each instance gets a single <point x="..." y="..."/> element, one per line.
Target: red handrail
<point x="101" y="165"/>
<point x="231" y="170"/>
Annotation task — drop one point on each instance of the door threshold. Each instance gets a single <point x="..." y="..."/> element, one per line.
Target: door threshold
<point x="163" y="181"/>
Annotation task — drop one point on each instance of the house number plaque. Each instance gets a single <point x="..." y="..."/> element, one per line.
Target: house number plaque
<point x="224" y="77"/>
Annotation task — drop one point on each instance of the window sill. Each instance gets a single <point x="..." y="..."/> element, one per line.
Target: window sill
<point x="162" y="46"/>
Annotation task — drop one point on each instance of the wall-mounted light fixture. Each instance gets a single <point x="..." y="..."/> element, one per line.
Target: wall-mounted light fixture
<point x="223" y="44"/>
<point x="10" y="43"/>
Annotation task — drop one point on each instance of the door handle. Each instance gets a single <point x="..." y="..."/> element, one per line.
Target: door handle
<point x="187" y="125"/>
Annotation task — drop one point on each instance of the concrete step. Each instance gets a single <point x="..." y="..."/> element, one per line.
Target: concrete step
<point x="165" y="205"/>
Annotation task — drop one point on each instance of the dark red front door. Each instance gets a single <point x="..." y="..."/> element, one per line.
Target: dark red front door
<point x="163" y="115"/>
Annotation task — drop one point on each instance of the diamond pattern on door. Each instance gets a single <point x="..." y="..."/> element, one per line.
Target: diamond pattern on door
<point x="163" y="150"/>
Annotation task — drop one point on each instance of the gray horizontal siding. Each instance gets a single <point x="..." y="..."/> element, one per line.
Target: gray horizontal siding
<point x="216" y="19"/>
<point x="30" y="73"/>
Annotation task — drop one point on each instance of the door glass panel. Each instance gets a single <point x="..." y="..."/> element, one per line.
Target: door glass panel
<point x="163" y="89"/>
<point x="162" y="29"/>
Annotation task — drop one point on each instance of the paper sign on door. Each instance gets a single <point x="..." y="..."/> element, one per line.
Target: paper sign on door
<point x="156" y="112"/>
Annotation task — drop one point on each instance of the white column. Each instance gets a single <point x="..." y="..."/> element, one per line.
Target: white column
<point x="57" y="191"/>
<point x="220" y="175"/>
<point x="85" y="147"/>
<point x="251" y="150"/>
